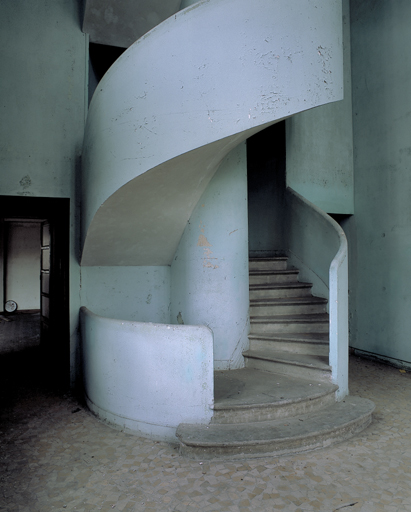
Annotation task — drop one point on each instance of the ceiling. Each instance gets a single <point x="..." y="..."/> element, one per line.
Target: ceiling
<point x="122" y="22"/>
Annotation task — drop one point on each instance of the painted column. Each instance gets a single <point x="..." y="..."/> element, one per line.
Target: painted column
<point x="209" y="273"/>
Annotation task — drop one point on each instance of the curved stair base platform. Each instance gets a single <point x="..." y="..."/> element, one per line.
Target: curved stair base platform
<point x="277" y="437"/>
<point x="259" y="413"/>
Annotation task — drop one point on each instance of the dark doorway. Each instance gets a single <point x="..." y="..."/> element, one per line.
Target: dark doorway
<point x="266" y="188"/>
<point x="53" y="353"/>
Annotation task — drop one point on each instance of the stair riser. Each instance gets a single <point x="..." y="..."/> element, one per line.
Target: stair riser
<point x="273" y="412"/>
<point x="288" y="369"/>
<point x="280" y="293"/>
<point x="289" y="309"/>
<point x="273" y="278"/>
<point x="277" y="448"/>
<point x="291" y="347"/>
<point x="288" y="328"/>
<point x="267" y="265"/>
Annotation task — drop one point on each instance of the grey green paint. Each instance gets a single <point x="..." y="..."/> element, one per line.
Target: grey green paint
<point x="140" y="294"/>
<point x="209" y="272"/>
<point x="379" y="234"/>
<point x="43" y="108"/>
<point x="320" y="144"/>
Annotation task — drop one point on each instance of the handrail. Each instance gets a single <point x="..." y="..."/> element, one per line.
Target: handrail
<point x="320" y="242"/>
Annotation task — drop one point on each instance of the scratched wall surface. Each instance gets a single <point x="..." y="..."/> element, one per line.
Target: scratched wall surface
<point x="174" y="104"/>
<point x="320" y="146"/>
<point x="42" y="85"/>
<point x="379" y="233"/>
<point x="209" y="273"/>
<point x="139" y="294"/>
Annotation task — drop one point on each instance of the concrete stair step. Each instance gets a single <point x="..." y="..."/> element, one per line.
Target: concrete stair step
<point x="282" y="290"/>
<point x="305" y="366"/>
<point x="277" y="263"/>
<point x="249" y="395"/>
<point x="297" y="343"/>
<point x="273" y="276"/>
<point x="277" y="437"/>
<point x="288" y="306"/>
<point x="310" y="323"/>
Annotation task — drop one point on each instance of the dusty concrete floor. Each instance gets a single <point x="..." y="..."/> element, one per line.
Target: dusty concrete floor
<point x="19" y="331"/>
<point x="55" y="456"/>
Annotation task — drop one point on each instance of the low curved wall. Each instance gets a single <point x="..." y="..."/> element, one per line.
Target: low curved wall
<point x="147" y="378"/>
<point x="314" y="238"/>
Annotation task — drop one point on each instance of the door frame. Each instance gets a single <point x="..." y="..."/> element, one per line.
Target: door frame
<point x="55" y="348"/>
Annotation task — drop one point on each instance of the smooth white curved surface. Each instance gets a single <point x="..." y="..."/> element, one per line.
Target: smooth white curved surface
<point x="338" y="308"/>
<point x="147" y="378"/>
<point x="174" y="105"/>
<point x="317" y="240"/>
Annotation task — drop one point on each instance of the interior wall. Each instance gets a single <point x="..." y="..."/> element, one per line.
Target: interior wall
<point x="209" y="273"/>
<point x="266" y="186"/>
<point x="43" y="68"/>
<point x="379" y="233"/>
<point x="23" y="264"/>
<point x="140" y="294"/>
<point x="320" y="143"/>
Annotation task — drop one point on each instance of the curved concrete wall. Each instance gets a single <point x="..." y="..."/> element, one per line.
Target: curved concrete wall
<point x="137" y="294"/>
<point x="180" y="99"/>
<point x="147" y="378"/>
<point x="209" y="273"/>
<point x="318" y="246"/>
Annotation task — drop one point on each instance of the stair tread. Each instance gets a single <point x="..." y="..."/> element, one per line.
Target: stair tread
<point x="288" y="300"/>
<point x="335" y="417"/>
<point x="247" y="387"/>
<point x="257" y="272"/>
<point x="270" y="286"/>
<point x="307" y="318"/>
<point x="309" y="337"/>
<point x="304" y="360"/>
<point x="273" y="258"/>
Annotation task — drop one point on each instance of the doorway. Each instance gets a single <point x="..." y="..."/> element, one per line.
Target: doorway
<point x="266" y="192"/>
<point x="34" y="259"/>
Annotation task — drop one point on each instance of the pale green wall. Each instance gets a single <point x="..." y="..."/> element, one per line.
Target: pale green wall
<point x="42" y="84"/>
<point x="43" y="108"/>
<point x="379" y="234"/>
<point x="140" y="294"/>
<point x="320" y="145"/>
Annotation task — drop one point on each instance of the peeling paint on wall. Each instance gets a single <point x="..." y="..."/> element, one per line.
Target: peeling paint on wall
<point x="207" y="259"/>
<point x="203" y="242"/>
<point x="25" y="182"/>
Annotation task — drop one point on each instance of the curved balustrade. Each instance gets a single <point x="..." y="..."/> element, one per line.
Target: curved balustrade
<point x="319" y="245"/>
<point x="160" y="123"/>
<point x="179" y="99"/>
<point x="147" y="378"/>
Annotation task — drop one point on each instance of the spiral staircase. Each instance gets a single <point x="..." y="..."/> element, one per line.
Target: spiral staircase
<point x="162" y="120"/>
